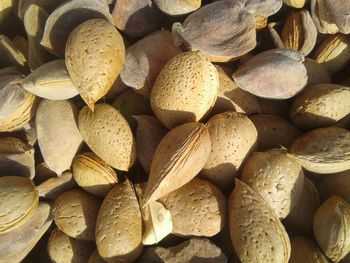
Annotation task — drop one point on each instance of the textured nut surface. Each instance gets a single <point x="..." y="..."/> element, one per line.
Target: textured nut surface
<point x="335" y="184"/>
<point x="305" y="250"/>
<point x="178" y="7"/>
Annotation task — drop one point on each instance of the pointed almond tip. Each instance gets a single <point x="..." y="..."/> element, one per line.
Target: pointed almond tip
<point x="90" y="103"/>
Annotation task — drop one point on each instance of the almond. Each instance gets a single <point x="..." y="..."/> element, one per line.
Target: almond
<point x="178" y="7"/>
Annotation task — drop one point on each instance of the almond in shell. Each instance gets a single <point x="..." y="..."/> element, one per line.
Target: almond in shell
<point x="178" y="7"/>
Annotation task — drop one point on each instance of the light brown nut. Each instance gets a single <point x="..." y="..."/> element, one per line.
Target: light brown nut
<point x="108" y="135"/>
<point x="320" y="106"/>
<point x="19" y="200"/>
<point x="119" y="225"/>
<point x="233" y="137"/>
<point x="222" y="30"/>
<point x="198" y="209"/>
<point x="331" y="228"/>
<point x="95" y="54"/>
<point x="16" y="244"/>
<point x="274" y="131"/>
<point x="335" y="184"/>
<point x="10" y="55"/>
<point x="56" y="120"/>
<point x="299" y="220"/>
<point x="75" y="213"/>
<point x="261" y="74"/>
<point x="149" y="133"/>
<point x="145" y="59"/>
<point x="295" y="3"/>
<point x="178" y="7"/>
<point x="93" y="174"/>
<point x="256" y="232"/>
<point x="137" y="17"/>
<point x="305" y="250"/>
<point x="185" y="89"/>
<point x="179" y="157"/>
<point x="64" y="249"/>
<point x="317" y="73"/>
<point x="95" y="258"/>
<point x="323" y="150"/>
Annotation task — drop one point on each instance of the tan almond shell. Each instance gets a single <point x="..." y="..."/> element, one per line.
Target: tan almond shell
<point x="179" y="157"/>
<point x="233" y="138"/>
<point x="18" y="202"/>
<point x="149" y="133"/>
<point x="51" y="81"/>
<point x="320" y="106"/>
<point x="108" y="135"/>
<point x="64" y="249"/>
<point x="185" y="89"/>
<point x="335" y="184"/>
<point x="323" y="150"/>
<point x="95" y="258"/>
<point x="119" y="225"/>
<point x="16" y="244"/>
<point x="178" y="7"/>
<point x="331" y="228"/>
<point x="295" y="3"/>
<point x="10" y="55"/>
<point x="99" y="45"/>
<point x="299" y="220"/>
<point x="56" y="120"/>
<point x="93" y="174"/>
<point x="274" y="131"/>
<point x="256" y="232"/>
<point x="198" y="209"/>
<point x="16" y="157"/>
<point x="75" y="213"/>
<point x="305" y="250"/>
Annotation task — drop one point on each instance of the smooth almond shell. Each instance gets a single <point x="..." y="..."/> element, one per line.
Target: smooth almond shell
<point x="108" y="135"/>
<point x="305" y="250"/>
<point x="179" y="157"/>
<point x="185" y="89"/>
<point x="335" y="184"/>
<point x="178" y="7"/>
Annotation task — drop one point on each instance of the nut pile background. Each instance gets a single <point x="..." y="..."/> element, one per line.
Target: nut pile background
<point x="174" y="131"/>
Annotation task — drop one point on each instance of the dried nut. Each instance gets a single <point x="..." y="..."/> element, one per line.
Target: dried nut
<point x="17" y="106"/>
<point x="299" y="220"/>
<point x="97" y="42"/>
<point x="261" y="74"/>
<point x="331" y="228"/>
<point x="16" y="244"/>
<point x="185" y="90"/>
<point x="278" y="178"/>
<point x="56" y="120"/>
<point x="334" y="52"/>
<point x="178" y="7"/>
<point x="256" y="232"/>
<point x="233" y="137"/>
<point x="263" y="8"/>
<point x="108" y="135"/>
<point x="274" y="131"/>
<point x="295" y="3"/>
<point x="179" y="157"/>
<point x="198" y="209"/>
<point x="95" y="258"/>
<point x="16" y="157"/>
<point x="5" y="9"/>
<point x="137" y="18"/>
<point x="317" y="73"/>
<point x="18" y="202"/>
<point x="231" y="98"/>
<point x="331" y="16"/>
<point x="149" y="133"/>
<point x="10" y="55"/>
<point x="119" y="225"/>
<point x="65" y="18"/>
<point x="320" y="106"/>
<point x="199" y="31"/>
<point x="305" y="250"/>
<point x="335" y="184"/>
<point x="93" y="174"/>
<point x="274" y="107"/>
<point x="145" y="59"/>
<point x="75" y="213"/>
<point x="324" y="150"/>
<point x="42" y="173"/>
<point x="51" y="81"/>
<point x="64" y="249"/>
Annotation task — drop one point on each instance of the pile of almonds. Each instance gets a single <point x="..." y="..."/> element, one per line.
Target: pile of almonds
<point x="176" y="131"/>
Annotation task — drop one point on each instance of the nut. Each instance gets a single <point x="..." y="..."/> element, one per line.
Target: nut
<point x="178" y="7"/>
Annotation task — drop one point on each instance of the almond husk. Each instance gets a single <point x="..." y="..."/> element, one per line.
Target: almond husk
<point x="178" y="7"/>
<point x="305" y="250"/>
<point x="335" y="184"/>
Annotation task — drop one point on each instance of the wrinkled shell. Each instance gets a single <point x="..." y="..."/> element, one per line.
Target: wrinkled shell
<point x="222" y="30"/>
<point x="56" y="120"/>
<point x="305" y="250"/>
<point x="335" y="184"/>
<point x="119" y="225"/>
<point x="94" y="42"/>
<point x="331" y="228"/>
<point x="261" y="75"/>
<point x="324" y="150"/>
<point x="179" y="157"/>
<point x="178" y="7"/>
<point x="233" y="137"/>
<point x="256" y="232"/>
<point x="316" y="73"/>
<point x="108" y="135"/>
<point x="185" y="90"/>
